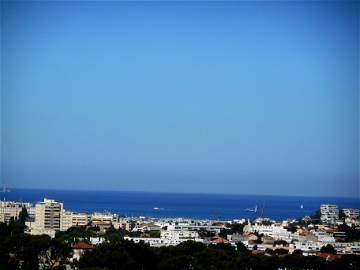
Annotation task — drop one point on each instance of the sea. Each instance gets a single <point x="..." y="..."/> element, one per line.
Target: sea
<point x="187" y="205"/>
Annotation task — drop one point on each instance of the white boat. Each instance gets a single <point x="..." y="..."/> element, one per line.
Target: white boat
<point x="252" y="209"/>
<point x="5" y="189"/>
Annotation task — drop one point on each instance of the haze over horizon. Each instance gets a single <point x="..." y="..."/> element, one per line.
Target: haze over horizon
<point x="213" y="97"/>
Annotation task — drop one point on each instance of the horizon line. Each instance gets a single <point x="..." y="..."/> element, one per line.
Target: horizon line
<point x="184" y="192"/>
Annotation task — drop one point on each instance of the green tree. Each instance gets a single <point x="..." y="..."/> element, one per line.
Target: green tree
<point x="328" y="249"/>
<point x="224" y="233"/>
<point x="281" y="243"/>
<point x="241" y="248"/>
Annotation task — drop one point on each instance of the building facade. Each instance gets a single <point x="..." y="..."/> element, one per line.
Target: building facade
<point x="329" y="213"/>
<point x="48" y="215"/>
<point x="351" y="212"/>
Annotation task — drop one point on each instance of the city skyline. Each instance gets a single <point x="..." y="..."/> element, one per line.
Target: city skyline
<point x="204" y="97"/>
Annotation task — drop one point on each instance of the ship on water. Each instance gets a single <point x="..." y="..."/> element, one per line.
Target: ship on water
<point x="252" y="209"/>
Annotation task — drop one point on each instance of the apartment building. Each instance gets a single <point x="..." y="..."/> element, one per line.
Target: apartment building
<point x="48" y="215"/>
<point x="275" y="231"/>
<point x="351" y="212"/>
<point x="66" y="220"/>
<point x="80" y="219"/>
<point x="329" y="213"/>
<point x="9" y="210"/>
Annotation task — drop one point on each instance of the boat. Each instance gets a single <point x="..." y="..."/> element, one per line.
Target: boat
<point x="302" y="206"/>
<point x="5" y="189"/>
<point x="252" y="209"/>
<point x="156" y="208"/>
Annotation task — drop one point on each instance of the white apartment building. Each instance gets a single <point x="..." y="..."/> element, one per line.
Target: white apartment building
<point x="175" y="237"/>
<point x="146" y="227"/>
<point x="168" y="238"/>
<point x="329" y="213"/>
<point x="324" y="237"/>
<point x="9" y="209"/>
<point x="351" y="212"/>
<point x="194" y="227"/>
<point x="152" y="241"/>
<point x="275" y="231"/>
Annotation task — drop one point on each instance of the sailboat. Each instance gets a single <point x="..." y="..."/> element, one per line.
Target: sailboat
<point x="5" y="189"/>
<point x="302" y="206"/>
<point x="252" y="209"/>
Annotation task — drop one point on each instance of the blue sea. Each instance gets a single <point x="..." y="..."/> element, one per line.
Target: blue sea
<point x="207" y="206"/>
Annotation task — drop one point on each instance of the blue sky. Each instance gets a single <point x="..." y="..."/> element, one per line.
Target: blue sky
<point x="225" y="97"/>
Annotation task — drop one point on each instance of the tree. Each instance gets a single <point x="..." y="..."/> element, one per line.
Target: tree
<point x="237" y="228"/>
<point x="281" y="243"/>
<point x="120" y="255"/>
<point x="75" y="233"/>
<point x="59" y="250"/>
<point x="281" y="251"/>
<point x="204" y="233"/>
<point x="341" y="214"/>
<point x="241" y="248"/>
<point x="224" y="233"/>
<point x="292" y="228"/>
<point x="225" y="247"/>
<point x="351" y="233"/>
<point x="315" y="218"/>
<point x="328" y="249"/>
<point x="155" y="234"/>
<point x="23" y="216"/>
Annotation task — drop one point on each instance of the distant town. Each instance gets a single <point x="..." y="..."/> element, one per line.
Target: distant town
<point x="330" y="233"/>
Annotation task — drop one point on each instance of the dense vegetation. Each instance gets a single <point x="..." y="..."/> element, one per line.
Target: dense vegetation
<point x="27" y="252"/>
<point x="119" y="255"/>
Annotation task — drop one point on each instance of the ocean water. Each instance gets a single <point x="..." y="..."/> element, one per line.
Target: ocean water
<point x="207" y="206"/>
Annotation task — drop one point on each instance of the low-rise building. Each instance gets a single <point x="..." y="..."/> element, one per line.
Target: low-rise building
<point x="11" y="210"/>
<point x="66" y="220"/>
<point x="80" y="219"/>
<point x="351" y="212"/>
<point x="276" y="231"/>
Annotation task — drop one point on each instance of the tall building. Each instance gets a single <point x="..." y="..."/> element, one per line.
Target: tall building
<point x="329" y="213"/>
<point x="48" y="215"/>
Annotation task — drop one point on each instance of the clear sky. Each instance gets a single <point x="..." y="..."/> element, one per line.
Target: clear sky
<point x="224" y="97"/>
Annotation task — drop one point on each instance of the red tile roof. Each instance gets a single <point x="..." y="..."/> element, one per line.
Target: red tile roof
<point x="82" y="245"/>
<point x="329" y="256"/>
<point x="218" y="239"/>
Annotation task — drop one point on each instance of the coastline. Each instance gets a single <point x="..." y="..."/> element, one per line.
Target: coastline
<point x="186" y="205"/>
